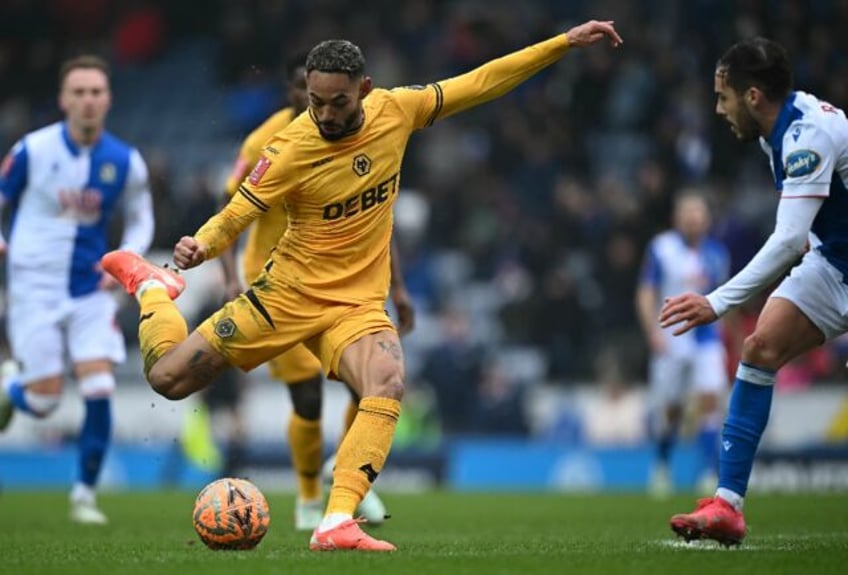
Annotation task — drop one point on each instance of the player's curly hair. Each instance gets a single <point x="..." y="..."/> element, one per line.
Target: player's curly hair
<point x="759" y="63"/>
<point x="336" y="57"/>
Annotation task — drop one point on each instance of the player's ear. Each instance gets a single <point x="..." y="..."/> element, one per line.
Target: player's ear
<point x="365" y="87"/>
<point x="752" y="96"/>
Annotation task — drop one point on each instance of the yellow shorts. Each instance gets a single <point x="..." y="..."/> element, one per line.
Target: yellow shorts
<point x="295" y="365"/>
<point x="269" y="319"/>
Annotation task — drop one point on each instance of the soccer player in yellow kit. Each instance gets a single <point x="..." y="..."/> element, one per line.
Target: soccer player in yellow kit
<point x="298" y="367"/>
<point x="337" y="170"/>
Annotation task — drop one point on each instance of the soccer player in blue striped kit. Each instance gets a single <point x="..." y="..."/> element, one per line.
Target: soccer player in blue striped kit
<point x="806" y="142"/>
<point x="63" y="184"/>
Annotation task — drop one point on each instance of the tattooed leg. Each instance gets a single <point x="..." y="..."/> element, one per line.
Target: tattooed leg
<point x="373" y="366"/>
<point x="186" y="368"/>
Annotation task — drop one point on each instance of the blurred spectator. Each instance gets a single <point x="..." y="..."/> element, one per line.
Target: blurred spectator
<point x="453" y="370"/>
<point x="617" y="416"/>
<point x="500" y="409"/>
<point x="139" y="33"/>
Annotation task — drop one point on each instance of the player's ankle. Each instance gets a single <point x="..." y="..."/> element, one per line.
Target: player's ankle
<point x="736" y="500"/>
<point x="148" y="284"/>
<point x="333" y="520"/>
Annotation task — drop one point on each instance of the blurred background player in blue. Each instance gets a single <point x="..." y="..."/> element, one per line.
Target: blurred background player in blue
<point x="63" y="184"/>
<point x="684" y="258"/>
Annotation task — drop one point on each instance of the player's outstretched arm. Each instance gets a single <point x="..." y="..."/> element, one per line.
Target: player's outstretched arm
<point x="499" y="76"/>
<point x="593" y="31"/>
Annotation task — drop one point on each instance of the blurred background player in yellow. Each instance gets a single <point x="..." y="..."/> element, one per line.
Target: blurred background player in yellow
<point x="298" y="368"/>
<point x="337" y="169"/>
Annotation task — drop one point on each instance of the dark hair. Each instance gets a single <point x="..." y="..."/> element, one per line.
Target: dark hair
<point x="85" y="62"/>
<point x="336" y="57"/>
<point x="294" y="63"/>
<point x="760" y="63"/>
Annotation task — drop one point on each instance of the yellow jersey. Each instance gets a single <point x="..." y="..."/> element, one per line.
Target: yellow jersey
<point x="339" y="194"/>
<point x="268" y="227"/>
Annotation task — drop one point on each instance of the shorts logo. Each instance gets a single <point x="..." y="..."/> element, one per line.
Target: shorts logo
<point x="225" y="328"/>
<point x="259" y="170"/>
<point x="361" y="164"/>
<point x="802" y="163"/>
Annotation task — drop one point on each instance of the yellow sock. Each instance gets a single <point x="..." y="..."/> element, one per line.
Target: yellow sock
<point x="160" y="326"/>
<point x="362" y="453"/>
<point x="305" y="445"/>
<point x="349" y="416"/>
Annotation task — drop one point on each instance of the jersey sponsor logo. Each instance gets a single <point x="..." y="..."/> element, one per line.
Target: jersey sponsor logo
<point x="802" y="163"/>
<point x="361" y="164"/>
<point x="108" y="173"/>
<point x="83" y="206"/>
<point x="259" y="170"/>
<point x="363" y="201"/>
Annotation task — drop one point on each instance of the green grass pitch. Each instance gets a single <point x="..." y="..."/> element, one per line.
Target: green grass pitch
<point x="437" y="533"/>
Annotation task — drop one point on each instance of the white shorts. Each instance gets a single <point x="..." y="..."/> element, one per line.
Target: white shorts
<point x="672" y="376"/>
<point x="41" y="331"/>
<point x="817" y="289"/>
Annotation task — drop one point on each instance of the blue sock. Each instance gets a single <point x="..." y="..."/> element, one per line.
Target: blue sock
<point x="94" y="438"/>
<point x="665" y="444"/>
<point x="17" y="395"/>
<point x="750" y="403"/>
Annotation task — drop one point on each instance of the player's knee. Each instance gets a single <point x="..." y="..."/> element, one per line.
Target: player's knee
<point x="306" y="398"/>
<point x="760" y="352"/>
<point x="388" y="383"/>
<point x="41" y="405"/>
<point x="165" y="382"/>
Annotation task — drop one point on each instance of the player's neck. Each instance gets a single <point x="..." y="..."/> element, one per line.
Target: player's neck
<point x="84" y="137"/>
<point x="768" y="119"/>
<point x="692" y="242"/>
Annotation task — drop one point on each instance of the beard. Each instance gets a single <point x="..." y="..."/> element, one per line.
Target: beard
<point x="333" y="131"/>
<point x="746" y="128"/>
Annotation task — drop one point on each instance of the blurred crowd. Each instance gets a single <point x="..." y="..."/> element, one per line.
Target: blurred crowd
<point x="528" y="216"/>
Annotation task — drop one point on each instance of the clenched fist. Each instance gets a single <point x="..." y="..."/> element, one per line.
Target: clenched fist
<point x="189" y="253"/>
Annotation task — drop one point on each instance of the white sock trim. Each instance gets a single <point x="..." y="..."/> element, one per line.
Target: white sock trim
<point x="333" y="520"/>
<point x="100" y="384"/>
<point x="146" y="285"/>
<point x="82" y="493"/>
<point x="731" y="497"/>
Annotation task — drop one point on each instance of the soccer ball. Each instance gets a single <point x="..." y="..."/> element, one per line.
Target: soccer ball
<point x="231" y="513"/>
